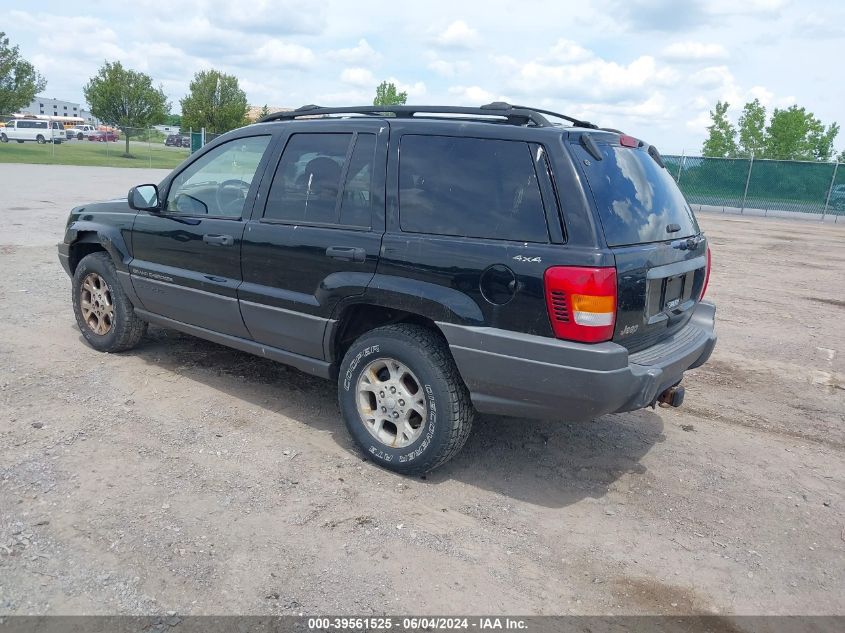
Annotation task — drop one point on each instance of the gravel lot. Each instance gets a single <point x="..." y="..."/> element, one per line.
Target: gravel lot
<point x="184" y="476"/>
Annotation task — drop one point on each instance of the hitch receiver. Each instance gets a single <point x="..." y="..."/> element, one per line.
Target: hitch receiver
<point x="672" y="397"/>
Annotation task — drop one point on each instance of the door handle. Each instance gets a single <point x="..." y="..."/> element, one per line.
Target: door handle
<point x="347" y="253"/>
<point x="218" y="240"/>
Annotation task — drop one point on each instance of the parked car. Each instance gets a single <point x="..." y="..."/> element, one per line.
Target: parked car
<point x="38" y="130"/>
<point x="173" y="140"/>
<point x="103" y="135"/>
<point x="499" y="263"/>
<point x="79" y="132"/>
<point x="186" y="141"/>
<point x="837" y="197"/>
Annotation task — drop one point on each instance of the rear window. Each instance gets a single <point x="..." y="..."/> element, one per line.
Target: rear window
<point x="637" y="199"/>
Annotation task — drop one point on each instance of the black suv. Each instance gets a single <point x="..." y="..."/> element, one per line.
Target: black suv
<point x="435" y="261"/>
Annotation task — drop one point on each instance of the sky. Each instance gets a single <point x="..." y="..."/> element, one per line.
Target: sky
<point x="653" y="68"/>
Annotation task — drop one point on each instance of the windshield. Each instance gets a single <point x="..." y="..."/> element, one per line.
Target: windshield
<point x="637" y="199"/>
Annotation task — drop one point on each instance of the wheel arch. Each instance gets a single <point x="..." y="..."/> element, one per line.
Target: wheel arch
<point x="356" y="319"/>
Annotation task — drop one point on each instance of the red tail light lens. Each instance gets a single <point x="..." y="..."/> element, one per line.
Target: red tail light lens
<point x="706" y="275"/>
<point x="581" y="302"/>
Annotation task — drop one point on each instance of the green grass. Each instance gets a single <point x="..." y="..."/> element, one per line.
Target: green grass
<point x="92" y="153"/>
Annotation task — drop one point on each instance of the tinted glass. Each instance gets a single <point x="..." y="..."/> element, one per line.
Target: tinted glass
<point x="636" y="198"/>
<point x="217" y="184"/>
<point x="307" y="181"/>
<point x="471" y="188"/>
<point x="357" y="203"/>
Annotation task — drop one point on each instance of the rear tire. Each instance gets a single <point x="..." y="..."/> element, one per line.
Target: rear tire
<point x="103" y="311"/>
<point x="403" y="400"/>
<point x="41" y="140"/>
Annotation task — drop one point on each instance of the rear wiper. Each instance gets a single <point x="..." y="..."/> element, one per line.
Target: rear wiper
<point x="591" y="146"/>
<point x="652" y="151"/>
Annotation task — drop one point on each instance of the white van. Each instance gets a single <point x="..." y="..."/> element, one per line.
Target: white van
<point x="38" y="130"/>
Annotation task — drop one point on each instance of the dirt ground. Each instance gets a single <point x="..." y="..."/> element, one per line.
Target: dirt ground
<point x="184" y="476"/>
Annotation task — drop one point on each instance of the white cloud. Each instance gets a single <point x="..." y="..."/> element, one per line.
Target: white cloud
<point x="276" y="52"/>
<point x="446" y="68"/>
<point x="593" y="78"/>
<point x="567" y="51"/>
<point x="358" y="77"/>
<point x="690" y="51"/>
<point x="458" y="35"/>
<point x="473" y="95"/>
<point x="416" y="91"/>
<point x="361" y="55"/>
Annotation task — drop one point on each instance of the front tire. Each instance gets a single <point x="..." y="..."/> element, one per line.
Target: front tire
<point x="403" y="400"/>
<point x="103" y="311"/>
<point x="4" y="138"/>
<point x="41" y="140"/>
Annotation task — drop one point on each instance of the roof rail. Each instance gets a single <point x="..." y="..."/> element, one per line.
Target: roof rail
<point x="514" y="115"/>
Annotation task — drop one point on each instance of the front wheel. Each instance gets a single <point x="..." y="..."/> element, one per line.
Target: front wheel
<point x="41" y="140"/>
<point x="403" y="400"/>
<point x="4" y="138"/>
<point x="79" y="136"/>
<point x="103" y="311"/>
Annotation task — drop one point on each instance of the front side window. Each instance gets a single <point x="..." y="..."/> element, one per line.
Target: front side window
<point x="217" y="184"/>
<point x="470" y="187"/>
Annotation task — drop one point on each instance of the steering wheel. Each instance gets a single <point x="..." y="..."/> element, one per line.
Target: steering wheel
<point x="231" y="195"/>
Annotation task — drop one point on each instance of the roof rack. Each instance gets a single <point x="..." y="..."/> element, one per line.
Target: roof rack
<point x="506" y="113"/>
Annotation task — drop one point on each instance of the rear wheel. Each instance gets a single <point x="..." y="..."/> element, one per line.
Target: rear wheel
<point x="4" y="138"/>
<point x="104" y="314"/>
<point x="41" y="140"/>
<point x="403" y="399"/>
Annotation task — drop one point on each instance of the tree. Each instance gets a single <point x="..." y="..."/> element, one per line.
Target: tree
<point x="215" y="102"/>
<point x="841" y="157"/>
<point x="174" y="120"/>
<point x="125" y="98"/>
<point x="796" y="134"/>
<point x="19" y="81"/>
<point x="263" y="112"/>
<point x="752" y="129"/>
<point x="386" y="94"/>
<point x="721" y="141"/>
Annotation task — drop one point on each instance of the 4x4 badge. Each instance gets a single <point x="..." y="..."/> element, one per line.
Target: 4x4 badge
<point x="523" y="258"/>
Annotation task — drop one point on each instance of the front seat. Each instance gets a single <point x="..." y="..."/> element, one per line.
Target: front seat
<point x="322" y="181"/>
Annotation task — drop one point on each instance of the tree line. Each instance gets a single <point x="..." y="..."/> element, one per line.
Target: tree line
<point x="792" y="133"/>
<point x="128" y="99"/>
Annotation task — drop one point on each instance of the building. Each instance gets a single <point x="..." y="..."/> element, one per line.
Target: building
<point x="57" y="107"/>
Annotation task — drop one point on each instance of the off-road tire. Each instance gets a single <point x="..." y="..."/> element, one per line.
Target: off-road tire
<point x="127" y="328"/>
<point x="449" y="411"/>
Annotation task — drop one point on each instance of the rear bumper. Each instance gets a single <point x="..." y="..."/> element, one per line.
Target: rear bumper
<point x="509" y="373"/>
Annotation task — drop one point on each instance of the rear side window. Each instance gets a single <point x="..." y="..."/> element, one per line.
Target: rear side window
<point x="470" y="187"/>
<point x="638" y="201"/>
<point x="310" y="177"/>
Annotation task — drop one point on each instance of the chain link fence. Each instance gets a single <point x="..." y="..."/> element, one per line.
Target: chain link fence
<point x="100" y="146"/>
<point x="762" y="186"/>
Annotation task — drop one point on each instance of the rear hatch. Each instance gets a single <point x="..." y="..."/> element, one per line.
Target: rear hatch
<point x="661" y="254"/>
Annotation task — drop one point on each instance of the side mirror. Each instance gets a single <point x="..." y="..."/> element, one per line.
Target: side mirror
<point x="144" y="198"/>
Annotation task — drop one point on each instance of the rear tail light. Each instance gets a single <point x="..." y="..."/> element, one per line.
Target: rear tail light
<point x="581" y="302"/>
<point x="706" y="276"/>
